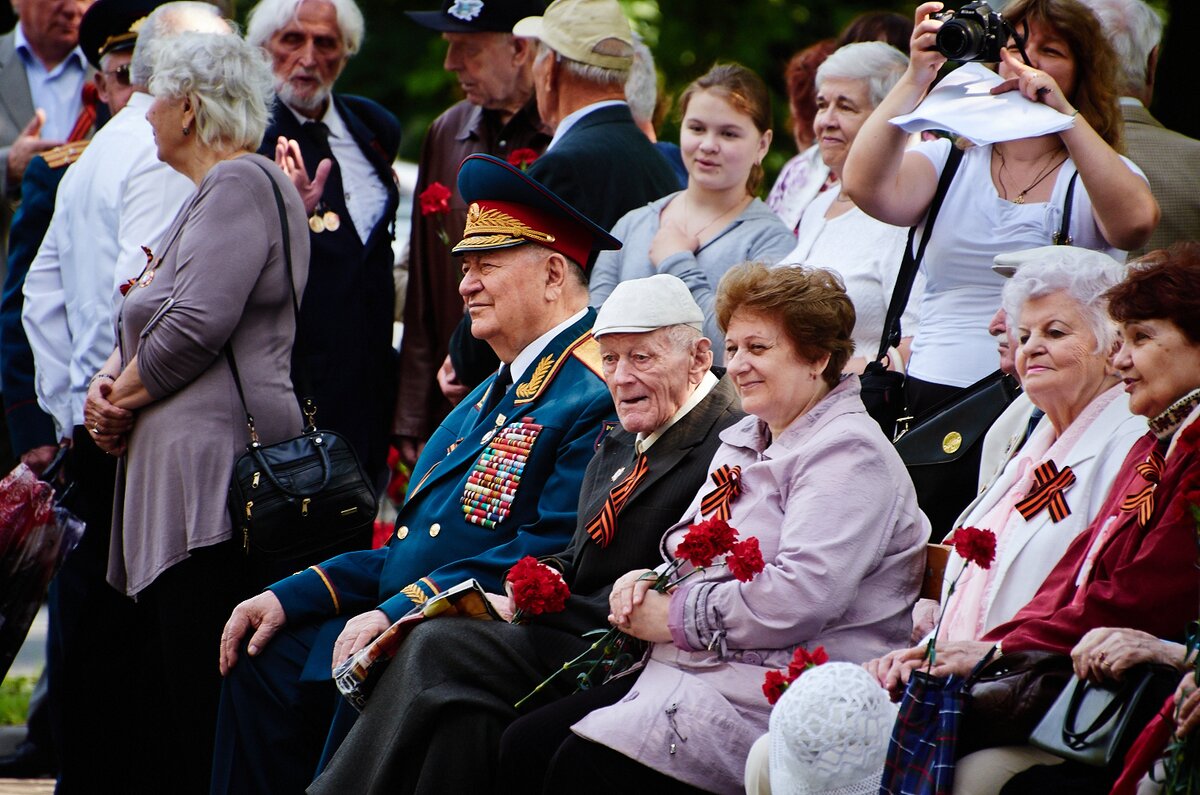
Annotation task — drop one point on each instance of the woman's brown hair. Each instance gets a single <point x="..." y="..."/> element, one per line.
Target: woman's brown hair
<point x="746" y="92"/>
<point x="1095" y="59"/>
<point x="1162" y="285"/>
<point x="810" y="303"/>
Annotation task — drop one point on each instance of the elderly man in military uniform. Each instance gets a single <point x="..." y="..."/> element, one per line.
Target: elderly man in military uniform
<point x="498" y="480"/>
<point x="434" y="721"/>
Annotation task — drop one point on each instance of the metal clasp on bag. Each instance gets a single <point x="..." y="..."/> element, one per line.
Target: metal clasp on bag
<point x="254" y="442"/>
<point x="902" y="427"/>
<point x="304" y="506"/>
<point x="310" y="412"/>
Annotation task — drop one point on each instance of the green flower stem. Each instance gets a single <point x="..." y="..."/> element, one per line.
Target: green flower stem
<point x="577" y="662"/>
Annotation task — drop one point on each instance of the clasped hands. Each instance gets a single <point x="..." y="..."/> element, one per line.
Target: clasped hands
<point x="637" y="609"/>
<point x="106" y="423"/>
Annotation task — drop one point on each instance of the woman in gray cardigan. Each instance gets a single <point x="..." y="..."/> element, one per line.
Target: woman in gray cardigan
<point x="716" y="222"/>
<point x="165" y="400"/>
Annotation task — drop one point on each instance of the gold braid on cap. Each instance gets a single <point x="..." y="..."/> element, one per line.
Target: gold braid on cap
<point x="498" y="227"/>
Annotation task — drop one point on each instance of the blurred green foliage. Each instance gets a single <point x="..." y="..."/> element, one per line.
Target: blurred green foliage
<point x="401" y="63"/>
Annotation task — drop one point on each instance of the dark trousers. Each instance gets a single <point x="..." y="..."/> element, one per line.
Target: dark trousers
<point x="945" y="490"/>
<point x="434" y="721"/>
<point x="272" y="727"/>
<point x="538" y="752"/>
<point x="92" y="654"/>
<point x="181" y="616"/>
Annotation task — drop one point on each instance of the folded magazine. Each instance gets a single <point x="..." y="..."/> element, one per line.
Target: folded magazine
<point x="358" y="675"/>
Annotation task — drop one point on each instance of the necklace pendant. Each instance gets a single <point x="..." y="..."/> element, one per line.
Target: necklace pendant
<point x="1020" y="198"/>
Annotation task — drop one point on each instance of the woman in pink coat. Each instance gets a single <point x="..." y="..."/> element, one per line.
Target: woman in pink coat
<point x="836" y="518"/>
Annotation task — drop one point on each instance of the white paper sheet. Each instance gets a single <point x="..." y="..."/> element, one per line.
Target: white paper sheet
<point x="962" y="103"/>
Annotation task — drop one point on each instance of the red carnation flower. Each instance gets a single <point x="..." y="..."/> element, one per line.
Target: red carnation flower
<point x="435" y="200"/>
<point x="705" y="541"/>
<point x="536" y="589"/>
<point x="745" y="559"/>
<point x="774" y="683"/>
<point x="975" y="546"/>
<point x="522" y="158"/>
<point x="802" y="660"/>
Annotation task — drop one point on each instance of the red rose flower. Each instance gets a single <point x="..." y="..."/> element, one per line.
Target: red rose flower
<point x="536" y="588"/>
<point x="522" y="158"/>
<point x="773" y="685"/>
<point x="745" y="559"/>
<point x="975" y="546"/>
<point x="435" y="200"/>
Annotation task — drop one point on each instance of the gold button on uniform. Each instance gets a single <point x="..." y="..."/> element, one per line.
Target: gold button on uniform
<point x="402" y="533"/>
<point x="434" y="529"/>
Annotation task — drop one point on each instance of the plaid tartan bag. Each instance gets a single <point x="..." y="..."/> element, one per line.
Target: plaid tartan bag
<point x="920" y="756"/>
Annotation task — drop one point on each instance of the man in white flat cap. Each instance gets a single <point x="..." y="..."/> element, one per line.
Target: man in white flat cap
<point x="434" y="720"/>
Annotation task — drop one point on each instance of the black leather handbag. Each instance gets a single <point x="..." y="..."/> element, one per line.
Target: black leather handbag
<point x="883" y="389"/>
<point x="1095" y="723"/>
<point x="302" y="496"/>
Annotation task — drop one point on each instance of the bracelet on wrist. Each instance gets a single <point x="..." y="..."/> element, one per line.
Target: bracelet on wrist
<point x="98" y="376"/>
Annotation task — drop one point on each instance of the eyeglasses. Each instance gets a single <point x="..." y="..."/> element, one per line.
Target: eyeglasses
<point x="120" y="74"/>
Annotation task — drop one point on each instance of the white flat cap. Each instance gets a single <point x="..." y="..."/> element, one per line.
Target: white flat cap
<point x="1008" y="264"/>
<point x="641" y="305"/>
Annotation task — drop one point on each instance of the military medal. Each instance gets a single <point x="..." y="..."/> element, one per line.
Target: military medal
<point x="316" y="224"/>
<point x="332" y="222"/>
<point x="492" y="484"/>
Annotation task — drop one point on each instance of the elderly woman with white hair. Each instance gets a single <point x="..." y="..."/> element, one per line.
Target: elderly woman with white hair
<point x="834" y="233"/>
<point x="1056" y="484"/>
<point x="218" y="282"/>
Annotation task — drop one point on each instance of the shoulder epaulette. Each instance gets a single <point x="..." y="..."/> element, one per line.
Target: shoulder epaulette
<point x="585" y="349"/>
<point x="65" y="155"/>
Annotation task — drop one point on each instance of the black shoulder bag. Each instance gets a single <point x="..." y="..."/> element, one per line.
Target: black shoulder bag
<point x="883" y="389"/>
<point x="305" y="495"/>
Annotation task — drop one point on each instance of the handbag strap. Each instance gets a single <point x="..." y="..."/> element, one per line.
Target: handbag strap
<point x="307" y="407"/>
<point x="910" y="263"/>
<point x="1063" y="236"/>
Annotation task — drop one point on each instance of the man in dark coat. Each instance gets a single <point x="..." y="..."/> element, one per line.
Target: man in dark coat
<point x="499" y="117"/>
<point x="598" y="159"/>
<point x="499" y="480"/>
<point x="434" y="722"/>
<point x="343" y="355"/>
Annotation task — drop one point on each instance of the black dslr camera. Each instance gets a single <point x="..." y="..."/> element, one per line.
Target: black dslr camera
<point x="973" y="33"/>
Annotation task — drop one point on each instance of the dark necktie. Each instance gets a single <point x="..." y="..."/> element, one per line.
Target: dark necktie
<point x="318" y="135"/>
<point x="499" y="387"/>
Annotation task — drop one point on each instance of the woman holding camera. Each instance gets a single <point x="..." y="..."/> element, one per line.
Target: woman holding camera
<point x="1007" y="196"/>
<point x="1004" y="197"/>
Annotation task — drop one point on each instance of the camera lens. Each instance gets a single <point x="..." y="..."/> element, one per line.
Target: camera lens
<point x="960" y="39"/>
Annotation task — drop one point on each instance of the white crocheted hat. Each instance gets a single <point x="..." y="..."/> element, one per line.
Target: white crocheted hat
<point x="829" y="733"/>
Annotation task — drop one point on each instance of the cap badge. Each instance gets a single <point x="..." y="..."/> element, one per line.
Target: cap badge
<point x="496" y="224"/>
<point x="466" y="10"/>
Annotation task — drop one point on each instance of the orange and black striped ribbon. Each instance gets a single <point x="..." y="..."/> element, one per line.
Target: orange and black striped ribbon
<point x="1143" y="502"/>
<point x="1048" y="486"/>
<point x="719" y="500"/>
<point x="603" y="525"/>
<point x="87" y="115"/>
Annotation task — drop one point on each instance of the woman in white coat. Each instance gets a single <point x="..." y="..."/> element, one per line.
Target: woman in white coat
<point x="1055" y="484"/>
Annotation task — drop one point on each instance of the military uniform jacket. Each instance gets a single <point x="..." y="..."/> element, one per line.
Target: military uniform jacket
<point x="486" y="492"/>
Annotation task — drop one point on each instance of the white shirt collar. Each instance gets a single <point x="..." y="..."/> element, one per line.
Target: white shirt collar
<point x="522" y="360"/>
<point x="644" y="441"/>
<point x="572" y="118"/>
<point x="1133" y="102"/>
